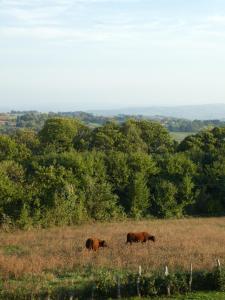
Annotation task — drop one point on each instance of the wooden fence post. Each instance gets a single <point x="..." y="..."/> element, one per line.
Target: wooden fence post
<point x="190" y="279"/>
<point x="168" y="284"/>
<point x="218" y="265"/>
<point x="138" y="282"/>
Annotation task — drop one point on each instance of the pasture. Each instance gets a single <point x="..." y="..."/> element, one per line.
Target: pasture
<point x="38" y="257"/>
<point x="42" y="262"/>
<point x="179" y="136"/>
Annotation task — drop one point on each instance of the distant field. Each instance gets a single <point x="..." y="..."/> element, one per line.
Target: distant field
<point x="180" y="136"/>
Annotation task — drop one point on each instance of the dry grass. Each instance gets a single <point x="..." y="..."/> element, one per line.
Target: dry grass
<point x="179" y="242"/>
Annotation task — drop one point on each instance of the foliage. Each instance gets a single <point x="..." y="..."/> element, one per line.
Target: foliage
<point x="139" y="196"/>
<point x="58" y="134"/>
<point x="35" y="120"/>
<point x="67" y="172"/>
<point x="156" y="284"/>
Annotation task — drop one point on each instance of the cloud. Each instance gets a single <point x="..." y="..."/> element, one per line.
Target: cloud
<point x="86" y="20"/>
<point x="32" y="12"/>
<point x="63" y="20"/>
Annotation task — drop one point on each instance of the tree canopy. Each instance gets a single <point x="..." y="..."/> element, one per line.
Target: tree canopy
<point x="68" y="172"/>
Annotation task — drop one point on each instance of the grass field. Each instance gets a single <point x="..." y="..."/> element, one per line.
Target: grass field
<point x="178" y="243"/>
<point x="180" y="136"/>
<point x="44" y="257"/>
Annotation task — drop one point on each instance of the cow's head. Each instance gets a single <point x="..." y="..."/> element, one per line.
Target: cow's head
<point x="152" y="238"/>
<point x="103" y="244"/>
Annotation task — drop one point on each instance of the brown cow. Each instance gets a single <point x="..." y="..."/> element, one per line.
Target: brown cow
<point x="94" y="244"/>
<point x="135" y="237"/>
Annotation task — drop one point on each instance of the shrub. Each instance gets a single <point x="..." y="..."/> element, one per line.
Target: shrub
<point x="156" y="284"/>
<point x="219" y="279"/>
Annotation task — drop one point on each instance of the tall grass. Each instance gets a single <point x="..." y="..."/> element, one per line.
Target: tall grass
<point x="178" y="243"/>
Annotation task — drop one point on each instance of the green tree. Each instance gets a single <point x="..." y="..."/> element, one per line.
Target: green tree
<point x="211" y="197"/>
<point x="132" y="140"/>
<point x="155" y="136"/>
<point x="82" y="139"/>
<point x="139" y="196"/>
<point x="101" y="203"/>
<point x="58" y="134"/>
<point x="118" y="171"/>
<point x="58" y="195"/>
<point x="8" y="148"/>
<point x="107" y="137"/>
<point x="12" y="189"/>
<point x="28" y="138"/>
<point x="164" y="201"/>
<point x="177" y="171"/>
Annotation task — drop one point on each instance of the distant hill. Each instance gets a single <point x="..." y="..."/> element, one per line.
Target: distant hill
<point x="188" y="112"/>
<point x="191" y="112"/>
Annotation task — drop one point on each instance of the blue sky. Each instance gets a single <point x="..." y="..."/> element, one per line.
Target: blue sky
<point x="88" y="54"/>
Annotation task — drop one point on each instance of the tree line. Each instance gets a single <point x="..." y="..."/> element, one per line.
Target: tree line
<point x="67" y="173"/>
<point x="36" y="120"/>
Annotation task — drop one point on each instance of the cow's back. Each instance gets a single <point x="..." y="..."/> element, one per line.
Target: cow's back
<point x="137" y="237"/>
<point x="134" y="237"/>
<point x="95" y="244"/>
<point x="140" y="236"/>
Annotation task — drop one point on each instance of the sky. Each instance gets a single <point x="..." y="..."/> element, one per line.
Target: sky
<point x="63" y="55"/>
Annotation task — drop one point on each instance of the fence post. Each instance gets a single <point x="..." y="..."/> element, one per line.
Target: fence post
<point x="138" y="282"/>
<point x="118" y="287"/>
<point x="218" y="265"/>
<point x="168" y="284"/>
<point x="219" y="281"/>
<point x="190" y="279"/>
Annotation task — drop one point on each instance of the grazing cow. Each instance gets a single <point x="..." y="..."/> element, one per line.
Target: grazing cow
<point x="94" y="244"/>
<point x="135" y="237"/>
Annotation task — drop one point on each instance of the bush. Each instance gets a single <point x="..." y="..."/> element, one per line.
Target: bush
<point x="203" y="281"/>
<point x="106" y="285"/>
<point x="156" y="284"/>
<point x="219" y="280"/>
